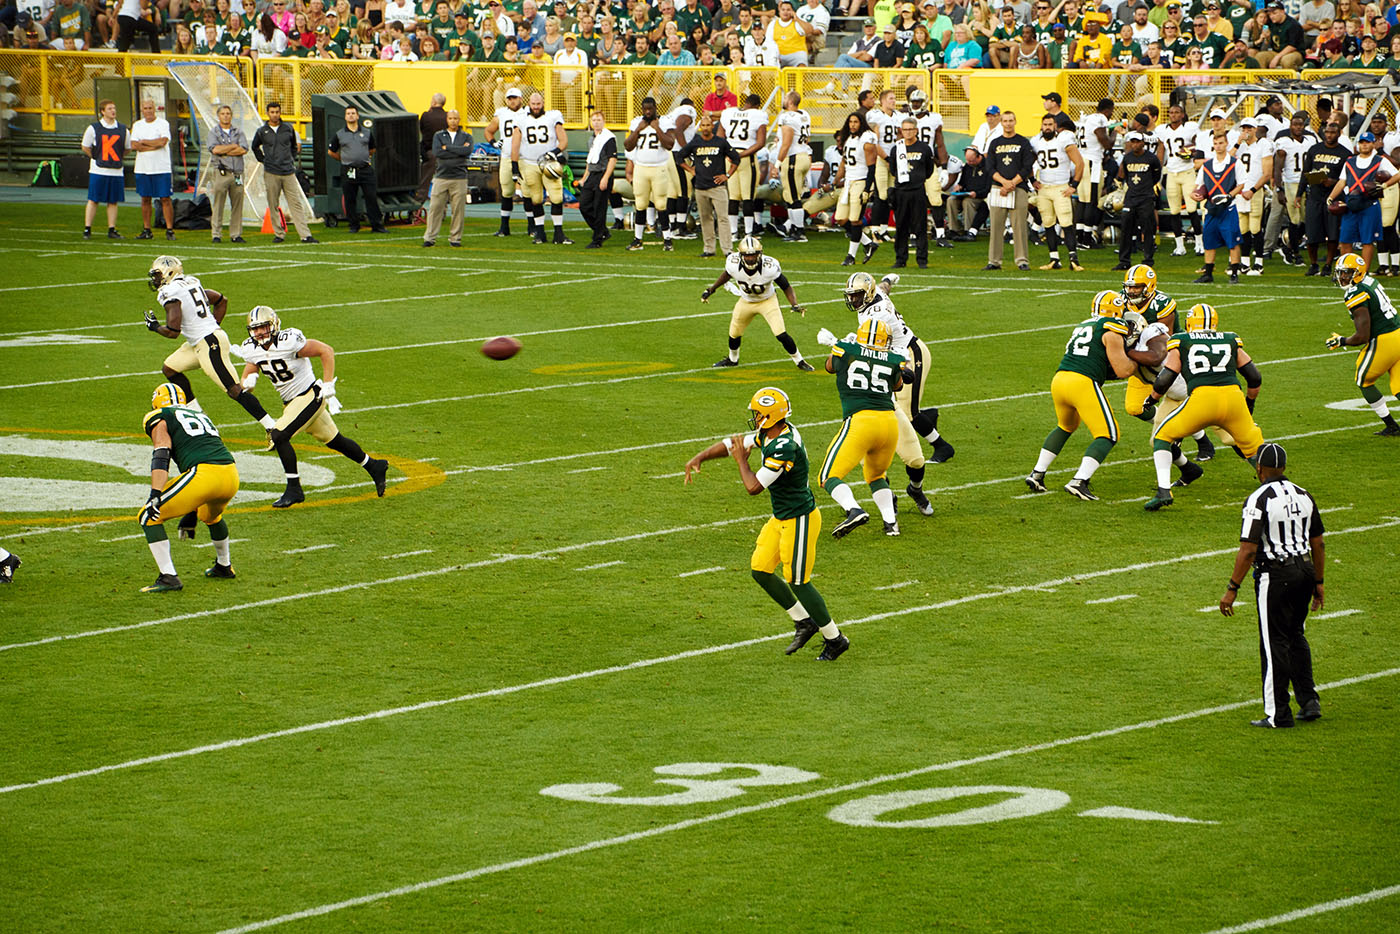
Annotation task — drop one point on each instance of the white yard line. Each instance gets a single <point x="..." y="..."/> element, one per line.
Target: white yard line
<point x="897" y="586"/>
<point x="1335" y="614"/>
<point x="843" y="789"/>
<point x="587" y="469"/>
<point x="700" y="571"/>
<point x="577" y="676"/>
<point x="407" y="554"/>
<point x="122" y="538"/>
<point x="597" y="567"/>
<point x="1320" y="908"/>
<point x="1121" y="596"/>
<point x="301" y="551"/>
<point x="231" y="541"/>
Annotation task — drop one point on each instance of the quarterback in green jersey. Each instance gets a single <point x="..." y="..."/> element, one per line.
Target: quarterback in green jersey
<point x="208" y="479"/>
<point x="790" y="537"/>
<point x="1377" y="334"/>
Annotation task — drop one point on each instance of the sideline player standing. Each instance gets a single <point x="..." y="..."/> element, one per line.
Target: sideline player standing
<point x="793" y="162"/>
<point x="790" y="536"/>
<point x="500" y="132"/>
<point x="1058" y="171"/>
<point x="746" y="129"/>
<point x="538" y="133"/>
<point x="754" y="276"/>
<point x="648" y="146"/>
<point x="1282" y="538"/>
<point x="283" y="356"/>
<point x="1094" y="354"/>
<point x="1377" y="332"/>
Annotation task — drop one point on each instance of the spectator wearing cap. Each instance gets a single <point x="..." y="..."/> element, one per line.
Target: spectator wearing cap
<point x="1094" y="49"/>
<point x="1060" y="49"/>
<point x="1237" y="56"/>
<point x="1217" y="23"/>
<point x="570" y="54"/>
<point x="1282" y="540"/>
<point x="963" y="51"/>
<point x="989" y="129"/>
<point x="861" y="52"/>
<point x="1053" y="104"/>
<point x="1012" y="161"/>
<point x="1370" y="56"/>
<point x="889" y="51"/>
<point x="496" y="14"/>
<point x="939" y="23"/>
<point x="1286" y="39"/>
<point x="721" y="98"/>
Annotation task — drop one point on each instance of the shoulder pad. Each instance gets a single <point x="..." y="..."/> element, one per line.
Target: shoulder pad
<point x="148" y="423"/>
<point x="1114" y="325"/>
<point x="731" y="263"/>
<point x="838" y="349"/>
<point x="770" y="264"/>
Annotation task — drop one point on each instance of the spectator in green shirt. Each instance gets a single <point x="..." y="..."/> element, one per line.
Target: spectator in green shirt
<point x="1058" y="47"/>
<point x="462" y="41"/>
<point x="587" y="36"/>
<point x="489" y="51"/>
<point x="690" y="16"/>
<point x="923" y="52"/>
<point x="1238" y="56"/>
<point x="641" y="53"/>
<point x="1370" y="56"/>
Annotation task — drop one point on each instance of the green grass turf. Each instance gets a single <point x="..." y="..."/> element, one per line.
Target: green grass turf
<point x="543" y="493"/>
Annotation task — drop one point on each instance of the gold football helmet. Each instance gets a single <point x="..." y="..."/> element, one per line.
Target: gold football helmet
<point x="873" y="333"/>
<point x="167" y="394"/>
<point x="860" y="290"/>
<point x="263" y="326"/>
<point x="768" y="406"/>
<point x="1139" y="284"/>
<point x="1350" y="269"/>
<point x="1136" y="323"/>
<point x="163" y="269"/>
<point x="1108" y="304"/>
<point x="750" y="253"/>
<point x="1202" y="317"/>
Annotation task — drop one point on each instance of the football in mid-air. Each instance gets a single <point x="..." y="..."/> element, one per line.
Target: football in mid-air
<point x="501" y="348"/>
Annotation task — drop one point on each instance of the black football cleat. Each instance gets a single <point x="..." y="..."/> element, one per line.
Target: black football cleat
<point x="892" y="529"/>
<point x="806" y="629"/>
<point x="724" y="361"/>
<point x="869" y="251"/>
<point x="1310" y="711"/>
<point x="849" y="260"/>
<point x="8" y="567"/>
<point x="561" y="239"/>
<point x="378" y="469"/>
<point x="1389" y="431"/>
<point x="1036" y="481"/>
<point x="113" y="235"/>
<point x="145" y="235"/>
<point x="503" y="232"/>
<point x="1080" y="488"/>
<point x="854" y="520"/>
<point x="942" y="451"/>
<point x="221" y="571"/>
<point x="164" y="583"/>
<point x="635" y="245"/>
<point x="189" y="524"/>
<point x="804" y="366"/>
<point x="291" y="496"/>
<point x="169" y="234"/>
<point x="1203" y="278"/>
<point x="1205" y="449"/>
<point x="1190" y="473"/>
<point x="538" y="238"/>
<point x="1162" y="499"/>
<point x="833" y="648"/>
<point x="919" y="499"/>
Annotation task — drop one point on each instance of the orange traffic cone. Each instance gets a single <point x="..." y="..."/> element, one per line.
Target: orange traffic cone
<point x="267" y="227"/>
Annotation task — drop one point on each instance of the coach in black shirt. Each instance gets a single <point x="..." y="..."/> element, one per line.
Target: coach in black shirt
<point x="1140" y="172"/>
<point x="1282" y="538"/>
<point x="597" y="183"/>
<point x="1322" y="167"/>
<point x="707" y="159"/>
<point x="910" y="161"/>
<point x="1012" y="161"/>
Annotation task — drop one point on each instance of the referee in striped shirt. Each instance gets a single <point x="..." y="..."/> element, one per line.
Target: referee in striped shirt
<point x="1282" y="538"/>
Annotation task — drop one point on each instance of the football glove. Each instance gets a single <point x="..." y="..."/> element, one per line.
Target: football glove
<point x="798" y="309"/>
<point x="151" y="513"/>
<point x="1336" y="340"/>
<point x="1149" y="411"/>
<point x="825" y="338"/>
<point x="705" y="295"/>
<point x="151" y="323"/>
<point x="515" y="172"/>
<point x="1249" y="403"/>
<point x="890" y="280"/>
<point x="333" y="405"/>
<point x="908" y="375"/>
<point x="250" y="380"/>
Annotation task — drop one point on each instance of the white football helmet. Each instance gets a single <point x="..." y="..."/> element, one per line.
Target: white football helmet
<point x="550" y="166"/>
<point x="750" y="254"/>
<point x="1137" y="323"/>
<point x="860" y="290"/>
<point x="263" y="326"/>
<point x="163" y="269"/>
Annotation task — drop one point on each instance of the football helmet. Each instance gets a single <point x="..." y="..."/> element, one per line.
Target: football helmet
<point x="1349" y="270"/>
<point x="750" y="254"/>
<point x="163" y="269"/>
<point x="260" y="318"/>
<point x="918" y="100"/>
<point x="1139" y="284"/>
<point x="860" y="290"/>
<point x="768" y="406"/>
<point x="873" y="333"/>
<point x="167" y="394"/>
<point x="1136" y="323"/>
<point x="1108" y="304"/>
<point x="1202" y="317"/>
<point x="550" y="166"/>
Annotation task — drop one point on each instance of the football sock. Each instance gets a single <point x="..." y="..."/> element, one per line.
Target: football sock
<point x="1199" y="435"/>
<point x="3" y="554"/>
<point x="926" y="424"/>
<point x="1162" y="460"/>
<point x="790" y="346"/>
<point x="253" y="407"/>
<point x="1178" y="457"/>
<point x="1087" y="466"/>
<point x="734" y="343"/>
<point x="865" y="238"/>
<point x="218" y="533"/>
<point x="734" y="223"/>
<point x="556" y="212"/>
<point x="183" y="381"/>
<point x="505" y="213"/>
<point x="797" y="611"/>
<point x="1210" y="268"/>
<point x="1052" y="240"/>
<point x="776" y="588"/>
<point x="1072" y="241"/>
<point x="349" y="448"/>
<point x="639" y="227"/>
<point x="940" y="220"/>
<point x="842" y="494"/>
<point x="161" y="551"/>
<point x="808" y="597"/>
<point x="916" y="475"/>
<point x="884" y="499"/>
<point x="1046" y="458"/>
<point x="853" y="247"/>
<point x="1376" y="400"/>
<point x="651" y="216"/>
<point x="797" y="217"/>
<point x="288" y="457"/>
<point x="664" y="226"/>
<point x="1054" y="442"/>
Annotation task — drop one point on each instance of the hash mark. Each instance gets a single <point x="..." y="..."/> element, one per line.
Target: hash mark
<point x="298" y="551"/>
<point x="1121" y="596"/>
<point x="896" y="586"/>
<point x="407" y="554"/>
<point x="701" y="571"/>
<point x="605" y="564"/>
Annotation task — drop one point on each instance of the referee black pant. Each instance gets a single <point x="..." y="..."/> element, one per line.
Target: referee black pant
<point x="1139" y="220"/>
<point x="593" y="205"/>
<point x="1282" y="595"/>
<point x="364" y="181"/>
<point x="910" y="218"/>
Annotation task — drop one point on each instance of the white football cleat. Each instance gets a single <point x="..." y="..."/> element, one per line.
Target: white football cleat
<point x="1180" y="250"/>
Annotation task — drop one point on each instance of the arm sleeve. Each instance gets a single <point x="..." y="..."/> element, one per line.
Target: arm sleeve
<point x="767" y="475"/>
<point x="782" y="281"/>
<point x="1251" y="375"/>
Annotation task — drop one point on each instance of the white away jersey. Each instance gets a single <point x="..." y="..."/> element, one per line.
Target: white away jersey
<point x="1252" y="157"/>
<point x="752" y="286"/>
<point x="1052" y="162"/>
<point x="885" y="127"/>
<point x="741" y="126"/>
<point x="1390" y="142"/>
<point x="1205" y="141"/>
<point x="929" y="125"/>
<point x="1089" y="143"/>
<point x="800" y="122"/>
<point x="1149" y="373"/>
<point x="1292" y="151"/>
<point x="1179" y="140"/>
<point x="290" y="374"/>
<point x="649" y="150"/>
<point x="683" y="110"/>
<point x="506" y="119"/>
<point x="537" y="134"/>
<point x="853" y="156"/>
<point x="900" y="335"/>
<point x="196" y="320"/>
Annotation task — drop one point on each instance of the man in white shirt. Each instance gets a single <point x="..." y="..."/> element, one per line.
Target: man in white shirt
<point x="1143" y="31"/>
<point x="759" y="50"/>
<point x="815" y="14"/>
<point x="988" y="131"/>
<point x="105" y="143"/>
<point x="150" y="140"/>
<point x="400" y="11"/>
<point x="570" y="54"/>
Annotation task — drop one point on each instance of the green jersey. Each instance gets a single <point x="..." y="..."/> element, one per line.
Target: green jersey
<point x="1160" y="307"/>
<point x="1084" y="351"/>
<point x="865" y="378"/>
<point x="193" y="437"/>
<point x="1207" y="357"/>
<point x="1368" y="297"/>
<point x="1212" y="48"/>
<point x="786" y="455"/>
<point x="923" y="57"/>
<point x="1126" y="53"/>
<point x="1175" y="52"/>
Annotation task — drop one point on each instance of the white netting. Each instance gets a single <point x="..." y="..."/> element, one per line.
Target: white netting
<point x="209" y="87"/>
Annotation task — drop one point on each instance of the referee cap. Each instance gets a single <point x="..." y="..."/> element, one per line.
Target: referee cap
<point x="1273" y="455"/>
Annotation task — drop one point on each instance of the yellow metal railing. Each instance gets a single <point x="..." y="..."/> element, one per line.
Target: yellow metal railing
<point x="292" y="82"/>
<point x="564" y="88"/>
<point x="618" y="90"/>
<point x="830" y="94"/>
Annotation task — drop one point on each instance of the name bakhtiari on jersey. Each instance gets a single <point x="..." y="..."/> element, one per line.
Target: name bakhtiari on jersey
<point x="1052" y="162"/>
<point x="193" y="437"/>
<point x="1369" y="296"/>
<point x="882" y="308"/>
<point x="741" y="125"/>
<point x="537" y="134"/>
<point x="1180" y="143"/>
<point x="800" y="122"/>
<point x="196" y="319"/>
<point x="853" y="157"/>
<point x="290" y="374"/>
<point x="649" y="150"/>
<point x="752" y="286"/>
<point x="1207" y="357"/>
<point x="865" y="378"/>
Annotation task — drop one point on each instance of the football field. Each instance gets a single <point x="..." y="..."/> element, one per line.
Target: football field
<point x="534" y="687"/>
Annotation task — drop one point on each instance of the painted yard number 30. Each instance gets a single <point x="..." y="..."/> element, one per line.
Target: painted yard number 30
<point x="861" y="812"/>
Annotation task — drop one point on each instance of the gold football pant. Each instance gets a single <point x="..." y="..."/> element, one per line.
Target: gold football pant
<point x="209" y="354"/>
<point x="308" y="412"/>
<point x="505" y="177"/>
<point x="745" y="311"/>
<point x="743" y="180"/>
<point x="793" y="174"/>
<point x="206" y="488"/>
<point x="1213" y="406"/>
<point x="790" y="542"/>
<point x="850" y="206"/>
<point x="1179" y="188"/>
<point x="1054" y="204"/>
<point x="933" y="187"/>
<point x="651" y="185"/>
<point x="535" y="185"/>
<point x="1380" y="356"/>
<point x="1253" y="222"/>
<point x="1079" y="400"/>
<point x="868" y="438"/>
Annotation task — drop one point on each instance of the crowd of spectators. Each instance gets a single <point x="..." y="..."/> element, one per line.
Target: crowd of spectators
<point x="1131" y="35"/>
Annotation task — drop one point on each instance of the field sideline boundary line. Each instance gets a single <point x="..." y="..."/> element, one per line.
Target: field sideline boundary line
<point x="577" y="676"/>
<point x="845" y="788"/>
<point x="1308" y="912"/>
